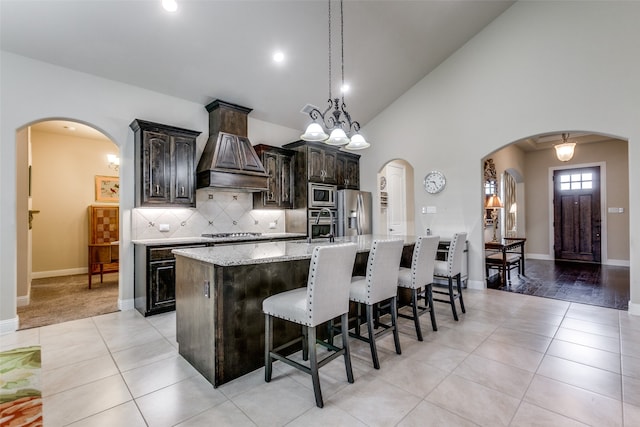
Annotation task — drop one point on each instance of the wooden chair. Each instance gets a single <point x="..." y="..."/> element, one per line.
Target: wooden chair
<point x="103" y="249"/>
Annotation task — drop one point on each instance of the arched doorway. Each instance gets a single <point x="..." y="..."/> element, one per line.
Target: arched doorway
<point x="533" y="162"/>
<point x="64" y="160"/>
<point x="396" y="195"/>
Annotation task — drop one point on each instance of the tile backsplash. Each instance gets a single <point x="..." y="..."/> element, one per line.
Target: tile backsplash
<point x="217" y="212"/>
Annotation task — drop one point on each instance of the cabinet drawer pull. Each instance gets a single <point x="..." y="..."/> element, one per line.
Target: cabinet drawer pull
<point x="182" y="190"/>
<point x="157" y="189"/>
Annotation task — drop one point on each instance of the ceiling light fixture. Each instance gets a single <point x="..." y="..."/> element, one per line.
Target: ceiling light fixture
<point x="339" y="122"/>
<point x="564" y="151"/>
<point x="114" y="161"/>
<point x="278" y="56"/>
<point x="170" y="5"/>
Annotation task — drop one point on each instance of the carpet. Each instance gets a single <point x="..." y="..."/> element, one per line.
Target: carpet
<point x="20" y="395"/>
<point x="61" y="299"/>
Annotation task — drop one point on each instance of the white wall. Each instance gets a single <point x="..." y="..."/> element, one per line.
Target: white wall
<point x="539" y="67"/>
<point x="32" y="91"/>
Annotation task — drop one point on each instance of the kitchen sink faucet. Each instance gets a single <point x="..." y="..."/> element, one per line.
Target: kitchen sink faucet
<point x="331" y="226"/>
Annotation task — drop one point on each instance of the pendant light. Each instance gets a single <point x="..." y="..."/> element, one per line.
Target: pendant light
<point x="338" y="123"/>
<point x="564" y="151"/>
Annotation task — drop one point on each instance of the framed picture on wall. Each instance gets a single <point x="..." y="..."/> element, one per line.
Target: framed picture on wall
<point x="107" y="188"/>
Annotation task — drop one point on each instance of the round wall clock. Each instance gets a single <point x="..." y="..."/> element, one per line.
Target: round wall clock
<point x="434" y="182"/>
<point x="383" y="183"/>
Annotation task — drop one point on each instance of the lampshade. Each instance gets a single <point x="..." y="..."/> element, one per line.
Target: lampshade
<point x="494" y="202"/>
<point x="314" y="132"/>
<point x="357" y="143"/>
<point x="337" y="137"/>
<point x="564" y="151"/>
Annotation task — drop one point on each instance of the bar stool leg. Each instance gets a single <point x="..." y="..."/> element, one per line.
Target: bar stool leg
<point x="429" y="292"/>
<point x="452" y="299"/>
<point x="372" y="340"/>
<point x="416" y="320"/>
<point x="313" y="365"/>
<point x="345" y="346"/>
<point x="268" y="347"/>
<point x="394" y="324"/>
<point x="459" y="280"/>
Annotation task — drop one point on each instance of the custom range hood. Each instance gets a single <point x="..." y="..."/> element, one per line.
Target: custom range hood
<point x="229" y="161"/>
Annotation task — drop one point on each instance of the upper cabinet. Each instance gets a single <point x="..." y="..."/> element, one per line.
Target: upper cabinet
<point x="348" y="171"/>
<point x="165" y="165"/>
<point x="279" y="165"/>
<point x="319" y="162"/>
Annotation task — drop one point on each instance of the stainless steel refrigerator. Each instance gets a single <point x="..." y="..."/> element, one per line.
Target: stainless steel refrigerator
<point x="354" y="212"/>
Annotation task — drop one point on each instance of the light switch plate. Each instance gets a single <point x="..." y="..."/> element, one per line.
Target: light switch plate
<point x="431" y="209"/>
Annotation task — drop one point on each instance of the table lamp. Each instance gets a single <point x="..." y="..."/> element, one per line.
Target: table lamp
<point x="494" y="203"/>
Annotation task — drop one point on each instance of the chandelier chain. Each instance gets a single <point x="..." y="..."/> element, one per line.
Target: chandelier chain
<point x="330" y="94"/>
<point x="342" y="47"/>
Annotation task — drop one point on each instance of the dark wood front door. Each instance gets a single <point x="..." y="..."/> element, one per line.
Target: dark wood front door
<point x="576" y="203"/>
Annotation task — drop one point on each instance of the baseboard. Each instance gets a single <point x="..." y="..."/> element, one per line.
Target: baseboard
<point x="476" y="284"/>
<point x="613" y="262"/>
<point x="9" y="325"/>
<point x="634" y="309"/>
<point x="126" y="304"/>
<point x="58" y="273"/>
<point x="23" y="301"/>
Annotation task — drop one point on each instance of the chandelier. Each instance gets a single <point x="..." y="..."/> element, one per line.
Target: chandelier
<point x="335" y="118"/>
<point x="564" y="151"/>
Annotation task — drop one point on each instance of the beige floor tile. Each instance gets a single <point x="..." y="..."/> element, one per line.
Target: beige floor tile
<point x="440" y="356"/>
<point x="57" y="356"/>
<point x="533" y="326"/>
<point x="591" y="327"/>
<point x="527" y="340"/>
<point x="631" y="366"/>
<point x="154" y="376"/>
<point x="118" y="340"/>
<point x="631" y="415"/>
<point x="225" y="414"/>
<point x="25" y="338"/>
<point x="481" y="404"/>
<point x="413" y="375"/>
<point x="276" y="403"/>
<point x="495" y="375"/>
<point x="512" y="355"/>
<point x="71" y="376"/>
<point x="330" y="415"/>
<point x="179" y="402"/>
<point x="574" y="402"/>
<point x="583" y="376"/>
<point x="592" y="313"/>
<point x="586" y="355"/>
<point x="375" y="402"/>
<point x="126" y="414"/>
<point x="590" y="340"/>
<point x="426" y="414"/>
<point x="78" y="403"/>
<point x="135" y="357"/>
<point x="529" y="415"/>
<point x="631" y="390"/>
<point x="630" y="347"/>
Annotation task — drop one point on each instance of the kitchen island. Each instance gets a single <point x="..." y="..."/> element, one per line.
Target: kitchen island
<point x="219" y="294"/>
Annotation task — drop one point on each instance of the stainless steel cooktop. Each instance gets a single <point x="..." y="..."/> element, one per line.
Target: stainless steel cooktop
<point x="240" y="234"/>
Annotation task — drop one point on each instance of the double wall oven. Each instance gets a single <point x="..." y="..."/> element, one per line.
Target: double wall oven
<point x="322" y="213"/>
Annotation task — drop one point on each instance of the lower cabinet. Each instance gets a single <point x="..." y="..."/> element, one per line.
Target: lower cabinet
<point x="155" y="278"/>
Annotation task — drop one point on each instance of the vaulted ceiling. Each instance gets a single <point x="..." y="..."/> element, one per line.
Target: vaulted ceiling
<point x="223" y="49"/>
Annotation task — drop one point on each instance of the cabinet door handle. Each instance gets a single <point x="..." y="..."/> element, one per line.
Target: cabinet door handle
<point x="157" y="189"/>
<point x="182" y="190"/>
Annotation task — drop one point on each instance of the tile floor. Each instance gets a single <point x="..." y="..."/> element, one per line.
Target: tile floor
<point x="512" y="359"/>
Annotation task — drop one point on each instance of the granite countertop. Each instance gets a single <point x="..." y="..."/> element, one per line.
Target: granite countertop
<point x="268" y="252"/>
<point x="199" y="239"/>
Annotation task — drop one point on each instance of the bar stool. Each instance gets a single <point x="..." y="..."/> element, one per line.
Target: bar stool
<point x="419" y="276"/>
<point x="451" y="268"/>
<point x="325" y="297"/>
<point x="379" y="285"/>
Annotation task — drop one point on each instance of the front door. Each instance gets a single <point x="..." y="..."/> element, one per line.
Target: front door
<point x="576" y="205"/>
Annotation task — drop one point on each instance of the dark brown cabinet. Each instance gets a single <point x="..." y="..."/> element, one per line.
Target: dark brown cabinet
<point x="165" y="164"/>
<point x="348" y="171"/>
<point x="155" y="278"/>
<point x="279" y="165"/>
<point x="321" y="164"/>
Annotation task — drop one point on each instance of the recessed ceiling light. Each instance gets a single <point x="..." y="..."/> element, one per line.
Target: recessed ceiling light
<point x="278" y="56"/>
<point x="345" y="88"/>
<point x="170" y="5"/>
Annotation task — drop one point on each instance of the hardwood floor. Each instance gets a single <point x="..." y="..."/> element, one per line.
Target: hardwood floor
<point x="595" y="284"/>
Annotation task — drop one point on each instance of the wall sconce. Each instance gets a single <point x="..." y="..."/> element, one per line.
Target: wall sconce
<point x="494" y="203"/>
<point x="114" y="161"/>
<point x="564" y="151"/>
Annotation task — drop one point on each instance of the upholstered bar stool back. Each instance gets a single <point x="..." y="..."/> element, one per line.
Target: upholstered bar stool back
<point x="419" y="279"/>
<point x="452" y="268"/>
<point x="325" y="297"/>
<point x="380" y="284"/>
